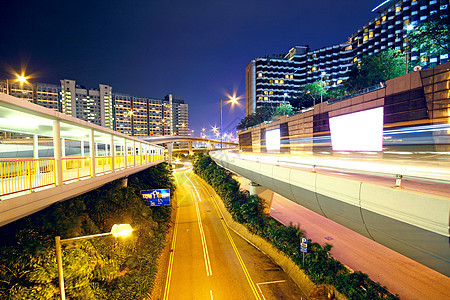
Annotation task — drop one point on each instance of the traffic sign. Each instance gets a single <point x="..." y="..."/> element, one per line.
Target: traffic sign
<point x="156" y="197"/>
<point x="303" y="245"/>
<point x="303" y="240"/>
<point x="303" y="249"/>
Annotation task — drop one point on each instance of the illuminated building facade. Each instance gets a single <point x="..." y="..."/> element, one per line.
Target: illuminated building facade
<point x="93" y="105"/>
<point x="270" y="80"/>
<point x="138" y="116"/>
<point x="46" y="95"/>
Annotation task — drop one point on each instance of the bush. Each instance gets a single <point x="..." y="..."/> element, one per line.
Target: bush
<point x="100" y="268"/>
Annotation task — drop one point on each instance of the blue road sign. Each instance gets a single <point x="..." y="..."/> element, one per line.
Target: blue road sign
<point x="303" y="240"/>
<point x="304" y="249"/>
<point x="156" y="197"/>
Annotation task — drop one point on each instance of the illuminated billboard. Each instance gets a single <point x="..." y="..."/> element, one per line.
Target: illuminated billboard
<point x="273" y="140"/>
<point x="360" y="131"/>
<point x="156" y="197"/>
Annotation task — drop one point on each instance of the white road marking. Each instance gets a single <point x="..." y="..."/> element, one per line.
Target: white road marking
<point x="202" y="233"/>
<point x="210" y="292"/>
<point x="268" y="282"/>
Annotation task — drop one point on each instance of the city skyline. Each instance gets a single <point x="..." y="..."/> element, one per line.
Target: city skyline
<point x="197" y="51"/>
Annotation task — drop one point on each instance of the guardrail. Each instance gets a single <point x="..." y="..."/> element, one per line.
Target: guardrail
<point x="23" y="174"/>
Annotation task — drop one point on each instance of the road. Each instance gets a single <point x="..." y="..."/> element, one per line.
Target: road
<point x="209" y="261"/>
<point x="400" y="274"/>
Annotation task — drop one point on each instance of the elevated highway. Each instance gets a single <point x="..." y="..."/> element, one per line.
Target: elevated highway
<point x="413" y="220"/>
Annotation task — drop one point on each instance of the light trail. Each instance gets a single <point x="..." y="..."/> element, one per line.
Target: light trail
<point x="233" y="245"/>
<point x="202" y="233"/>
<point x="171" y="257"/>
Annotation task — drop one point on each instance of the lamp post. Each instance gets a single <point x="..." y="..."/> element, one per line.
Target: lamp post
<point x="232" y="100"/>
<point x="116" y="230"/>
<point x="21" y="78"/>
<point x="408" y="29"/>
<point x="321" y="85"/>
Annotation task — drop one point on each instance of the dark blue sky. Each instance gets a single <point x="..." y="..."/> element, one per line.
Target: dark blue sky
<point x="194" y="49"/>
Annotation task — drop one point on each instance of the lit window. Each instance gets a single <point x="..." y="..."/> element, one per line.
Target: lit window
<point x="371" y="34"/>
<point x="398" y="9"/>
<point x="355" y="59"/>
<point x="276" y="80"/>
<point x="423" y="59"/>
<point x="271" y="93"/>
<point x="266" y="98"/>
<point x="339" y="81"/>
<point x="377" y="22"/>
<point x="291" y="76"/>
<point x="260" y="98"/>
<point x="266" y="92"/>
<point x="314" y="68"/>
<point x="259" y="74"/>
<point x="383" y="18"/>
<point x="286" y="76"/>
<point x="366" y="38"/>
<point x="270" y="81"/>
<point x="366" y="30"/>
<point x="281" y="81"/>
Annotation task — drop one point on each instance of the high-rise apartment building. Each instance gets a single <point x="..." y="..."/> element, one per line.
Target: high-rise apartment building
<point x="93" y="105"/>
<point x="270" y="80"/>
<point x="138" y="116"/>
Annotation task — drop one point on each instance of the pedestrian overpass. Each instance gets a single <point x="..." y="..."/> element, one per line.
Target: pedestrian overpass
<point x="47" y="156"/>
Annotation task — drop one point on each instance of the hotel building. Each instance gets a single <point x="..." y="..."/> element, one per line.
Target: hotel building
<point x="270" y="80"/>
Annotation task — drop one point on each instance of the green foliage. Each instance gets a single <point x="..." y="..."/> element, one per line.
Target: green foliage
<point x="282" y="110"/>
<point x="431" y="37"/>
<point x="100" y="268"/>
<point x="319" y="265"/>
<point x="261" y="115"/>
<point x="377" y="68"/>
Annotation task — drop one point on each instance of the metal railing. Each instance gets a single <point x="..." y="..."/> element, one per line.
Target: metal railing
<point x="27" y="174"/>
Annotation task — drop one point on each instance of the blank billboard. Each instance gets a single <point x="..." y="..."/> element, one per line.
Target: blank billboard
<point x="273" y="139"/>
<point x="360" y="131"/>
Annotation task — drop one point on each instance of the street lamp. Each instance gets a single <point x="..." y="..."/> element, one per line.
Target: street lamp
<point x="232" y="100"/>
<point x="117" y="230"/>
<point x="321" y="85"/>
<point x="408" y="29"/>
<point x="21" y="78"/>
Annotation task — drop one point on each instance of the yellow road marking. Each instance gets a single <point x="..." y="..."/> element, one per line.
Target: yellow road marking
<point x="172" y="254"/>
<point x="202" y="232"/>
<point x="236" y="251"/>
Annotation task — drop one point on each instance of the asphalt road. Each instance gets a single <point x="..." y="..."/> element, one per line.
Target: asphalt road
<point x="399" y="273"/>
<point x="209" y="261"/>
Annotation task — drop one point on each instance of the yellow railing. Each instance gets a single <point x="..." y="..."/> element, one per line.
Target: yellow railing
<point x="17" y="175"/>
<point x="119" y="162"/>
<point x="76" y="168"/>
<point x="26" y="174"/>
<point x="103" y="164"/>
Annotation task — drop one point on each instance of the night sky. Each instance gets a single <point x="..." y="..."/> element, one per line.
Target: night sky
<point x="193" y="49"/>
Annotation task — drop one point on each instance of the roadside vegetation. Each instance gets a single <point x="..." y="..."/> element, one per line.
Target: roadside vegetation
<point x="100" y="268"/>
<point x="319" y="265"/>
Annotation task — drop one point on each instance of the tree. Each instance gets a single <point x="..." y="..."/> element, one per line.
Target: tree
<point x="432" y="36"/>
<point x="308" y="95"/>
<point x="282" y="110"/>
<point x="377" y="68"/>
<point x="261" y="114"/>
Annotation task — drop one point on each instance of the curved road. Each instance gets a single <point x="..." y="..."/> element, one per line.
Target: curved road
<point x="209" y="261"/>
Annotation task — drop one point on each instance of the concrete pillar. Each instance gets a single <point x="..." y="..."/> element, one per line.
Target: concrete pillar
<point x="92" y="149"/>
<point x="134" y="153"/>
<point x="63" y="147"/>
<point x="57" y="152"/>
<point x="125" y="153"/>
<point x="140" y="150"/>
<point x="124" y="182"/>
<point x="36" y="153"/>
<point x="169" y="152"/>
<point x="113" y="154"/>
<point x="190" y="148"/>
<point x="263" y="193"/>
<point x="82" y="148"/>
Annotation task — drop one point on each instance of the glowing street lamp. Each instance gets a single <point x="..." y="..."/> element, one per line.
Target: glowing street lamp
<point x="116" y="231"/>
<point x="20" y="78"/>
<point x="232" y="100"/>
